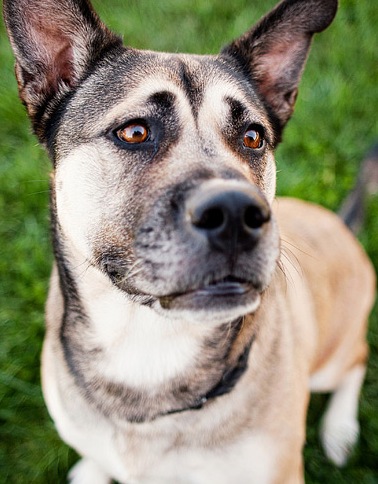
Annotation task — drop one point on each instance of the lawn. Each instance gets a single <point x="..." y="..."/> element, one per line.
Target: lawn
<point x="335" y="123"/>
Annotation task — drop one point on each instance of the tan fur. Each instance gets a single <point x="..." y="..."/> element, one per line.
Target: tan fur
<point x="339" y="276"/>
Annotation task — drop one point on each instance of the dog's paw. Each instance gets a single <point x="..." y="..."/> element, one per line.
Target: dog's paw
<point x="87" y="472"/>
<point x="338" y="439"/>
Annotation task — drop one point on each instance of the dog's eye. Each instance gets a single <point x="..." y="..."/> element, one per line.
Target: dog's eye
<point x="135" y="132"/>
<point x="254" y="137"/>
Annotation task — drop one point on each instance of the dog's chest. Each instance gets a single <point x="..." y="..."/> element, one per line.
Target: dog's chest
<point x="160" y="458"/>
<point x="197" y="446"/>
<point x="138" y="349"/>
<point x="160" y="453"/>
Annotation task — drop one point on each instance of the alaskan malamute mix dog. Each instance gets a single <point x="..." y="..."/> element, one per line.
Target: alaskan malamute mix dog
<point x="182" y="340"/>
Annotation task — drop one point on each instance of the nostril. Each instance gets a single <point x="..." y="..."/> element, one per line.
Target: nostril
<point x="255" y="217"/>
<point x="209" y="219"/>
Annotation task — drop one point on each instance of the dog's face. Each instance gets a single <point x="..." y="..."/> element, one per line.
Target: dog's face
<point x="166" y="185"/>
<point x="164" y="168"/>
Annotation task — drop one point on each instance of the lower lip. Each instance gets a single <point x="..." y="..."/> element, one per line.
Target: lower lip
<point x="225" y="289"/>
<point x="213" y="297"/>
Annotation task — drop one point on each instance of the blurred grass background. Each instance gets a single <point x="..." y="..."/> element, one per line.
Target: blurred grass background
<point x="334" y="124"/>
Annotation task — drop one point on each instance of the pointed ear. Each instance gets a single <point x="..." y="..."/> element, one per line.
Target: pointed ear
<point x="274" y="52"/>
<point x="54" y="43"/>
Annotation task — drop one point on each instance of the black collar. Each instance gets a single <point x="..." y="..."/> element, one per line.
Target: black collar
<point x="223" y="386"/>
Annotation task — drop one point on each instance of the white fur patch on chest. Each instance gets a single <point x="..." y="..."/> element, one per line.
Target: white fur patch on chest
<point x="140" y="348"/>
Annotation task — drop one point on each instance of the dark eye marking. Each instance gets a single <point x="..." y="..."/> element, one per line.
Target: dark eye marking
<point x="237" y="111"/>
<point x="252" y="135"/>
<point x="147" y="131"/>
<point x="163" y="100"/>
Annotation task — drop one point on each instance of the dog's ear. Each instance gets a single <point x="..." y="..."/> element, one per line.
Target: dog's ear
<point x="54" y="44"/>
<point x="274" y="52"/>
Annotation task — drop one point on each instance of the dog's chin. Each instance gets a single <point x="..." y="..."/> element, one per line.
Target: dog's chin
<point x="216" y="303"/>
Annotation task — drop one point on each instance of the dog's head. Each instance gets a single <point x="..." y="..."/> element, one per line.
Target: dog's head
<point x="164" y="171"/>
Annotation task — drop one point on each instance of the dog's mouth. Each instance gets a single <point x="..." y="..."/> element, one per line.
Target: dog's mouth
<point x="216" y="295"/>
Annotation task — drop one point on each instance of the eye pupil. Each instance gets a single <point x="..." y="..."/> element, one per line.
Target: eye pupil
<point x="253" y="139"/>
<point x="133" y="133"/>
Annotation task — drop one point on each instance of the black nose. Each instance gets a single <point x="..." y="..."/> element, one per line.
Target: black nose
<point x="230" y="215"/>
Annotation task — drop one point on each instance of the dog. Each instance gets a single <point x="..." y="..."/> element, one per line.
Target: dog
<point x="190" y="312"/>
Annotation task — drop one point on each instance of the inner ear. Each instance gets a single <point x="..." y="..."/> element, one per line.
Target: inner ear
<point x="55" y="71"/>
<point x="64" y="65"/>
<point x="277" y="74"/>
<point x="53" y="50"/>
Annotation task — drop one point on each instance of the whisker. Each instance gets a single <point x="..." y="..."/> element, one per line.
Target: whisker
<point x="135" y="269"/>
<point x="87" y="264"/>
<point x="288" y="254"/>
<point x="299" y="249"/>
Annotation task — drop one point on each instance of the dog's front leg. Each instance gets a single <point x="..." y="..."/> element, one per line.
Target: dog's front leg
<point x="340" y="427"/>
<point x="86" y="471"/>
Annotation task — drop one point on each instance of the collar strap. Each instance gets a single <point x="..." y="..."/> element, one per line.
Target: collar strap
<point x="223" y="386"/>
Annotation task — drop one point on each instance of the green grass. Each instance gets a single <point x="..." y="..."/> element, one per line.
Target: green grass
<point x="334" y="124"/>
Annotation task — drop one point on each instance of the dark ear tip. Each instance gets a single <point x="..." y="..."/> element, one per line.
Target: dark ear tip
<point x="312" y="15"/>
<point x="324" y="12"/>
<point x="329" y="8"/>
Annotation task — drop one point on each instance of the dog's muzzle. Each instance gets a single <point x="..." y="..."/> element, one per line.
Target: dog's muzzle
<point x="228" y="219"/>
<point x="208" y="246"/>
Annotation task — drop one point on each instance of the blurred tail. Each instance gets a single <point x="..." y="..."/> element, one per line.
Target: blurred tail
<point x="352" y="210"/>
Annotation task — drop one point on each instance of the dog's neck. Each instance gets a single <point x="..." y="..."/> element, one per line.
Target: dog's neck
<point x="225" y="384"/>
<point x="138" y="364"/>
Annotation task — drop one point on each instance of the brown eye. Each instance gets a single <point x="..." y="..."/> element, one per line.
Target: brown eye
<point x="133" y="133"/>
<point x="253" y="138"/>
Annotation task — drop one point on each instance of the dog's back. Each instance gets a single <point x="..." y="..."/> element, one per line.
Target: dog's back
<point x="320" y="252"/>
